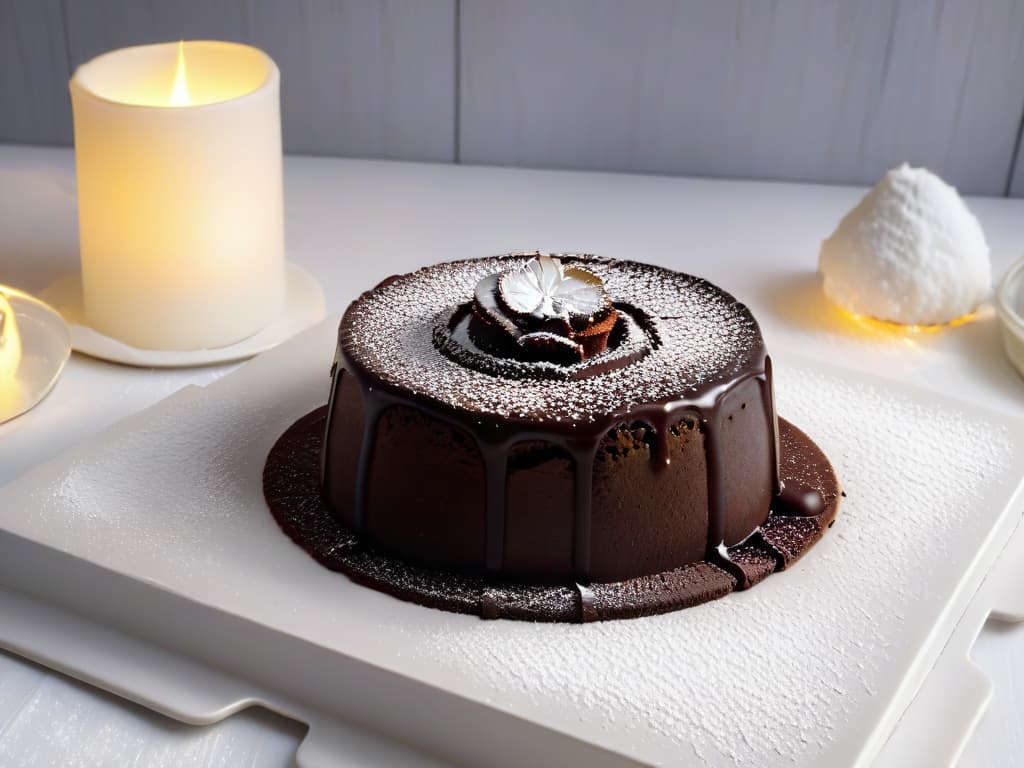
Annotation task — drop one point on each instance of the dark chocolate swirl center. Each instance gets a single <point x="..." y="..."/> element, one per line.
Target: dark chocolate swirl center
<point x="542" y="311"/>
<point x="459" y="337"/>
<point x="542" y="319"/>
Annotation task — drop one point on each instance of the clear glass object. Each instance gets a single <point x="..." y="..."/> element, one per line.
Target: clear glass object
<point x="34" y="346"/>
<point x="1010" y="306"/>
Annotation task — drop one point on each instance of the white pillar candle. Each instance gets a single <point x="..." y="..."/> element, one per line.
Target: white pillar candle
<point x="178" y="151"/>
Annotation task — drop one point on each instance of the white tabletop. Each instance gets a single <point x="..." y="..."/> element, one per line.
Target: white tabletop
<point x="758" y="240"/>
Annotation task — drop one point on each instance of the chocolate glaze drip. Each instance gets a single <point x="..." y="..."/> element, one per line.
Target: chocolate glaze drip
<point x="495" y="461"/>
<point x="768" y="396"/>
<point x="796" y="500"/>
<point x="588" y="610"/>
<point x="583" y="457"/>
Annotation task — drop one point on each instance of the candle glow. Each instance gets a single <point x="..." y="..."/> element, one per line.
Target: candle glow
<point x="884" y="329"/>
<point x="10" y="357"/>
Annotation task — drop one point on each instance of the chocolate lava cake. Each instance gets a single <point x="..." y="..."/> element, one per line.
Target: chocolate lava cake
<point x="557" y="437"/>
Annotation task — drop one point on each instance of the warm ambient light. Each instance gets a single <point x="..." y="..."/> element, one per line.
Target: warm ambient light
<point x="34" y="346"/>
<point x="897" y="331"/>
<point x="10" y="344"/>
<point x="10" y="361"/>
<point x="179" y="92"/>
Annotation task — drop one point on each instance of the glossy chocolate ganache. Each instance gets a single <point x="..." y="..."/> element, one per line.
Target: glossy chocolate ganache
<point x="597" y="429"/>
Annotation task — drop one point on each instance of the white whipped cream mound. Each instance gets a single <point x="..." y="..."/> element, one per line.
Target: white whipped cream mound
<point x="909" y="252"/>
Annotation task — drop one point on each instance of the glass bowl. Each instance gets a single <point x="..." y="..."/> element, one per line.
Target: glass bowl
<point x="45" y="345"/>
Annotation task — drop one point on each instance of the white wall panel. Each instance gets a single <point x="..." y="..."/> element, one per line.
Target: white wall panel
<point x="34" y="103"/>
<point x="821" y="90"/>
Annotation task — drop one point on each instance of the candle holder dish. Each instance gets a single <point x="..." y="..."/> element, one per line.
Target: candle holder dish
<point x="303" y="308"/>
<point x="39" y="343"/>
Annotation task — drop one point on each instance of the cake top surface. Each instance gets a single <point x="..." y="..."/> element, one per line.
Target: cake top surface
<point x="680" y="338"/>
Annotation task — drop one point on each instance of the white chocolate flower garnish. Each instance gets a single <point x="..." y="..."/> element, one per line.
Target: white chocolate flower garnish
<point x="545" y="288"/>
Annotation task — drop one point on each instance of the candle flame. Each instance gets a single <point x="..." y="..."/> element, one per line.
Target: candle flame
<point x="180" y="96"/>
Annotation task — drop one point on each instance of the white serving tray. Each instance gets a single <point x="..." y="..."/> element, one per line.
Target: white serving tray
<point x="146" y="563"/>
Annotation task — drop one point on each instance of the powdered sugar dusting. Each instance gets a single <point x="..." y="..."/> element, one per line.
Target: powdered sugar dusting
<point x="704" y="337"/>
<point x="770" y="676"/>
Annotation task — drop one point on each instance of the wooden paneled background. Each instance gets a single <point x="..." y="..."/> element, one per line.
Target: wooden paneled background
<point x="819" y="90"/>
